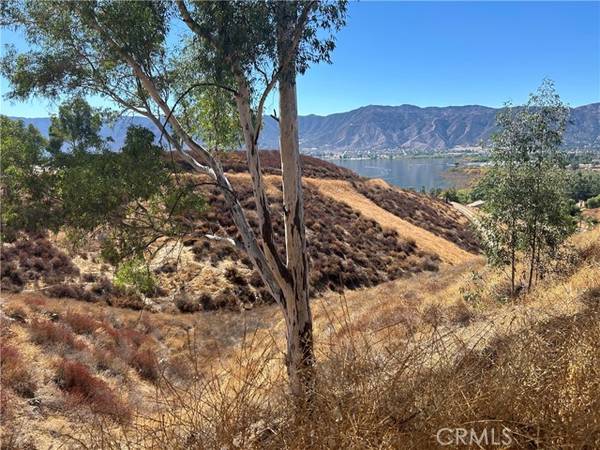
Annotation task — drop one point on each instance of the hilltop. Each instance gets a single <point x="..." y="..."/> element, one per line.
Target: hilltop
<point x="388" y="128"/>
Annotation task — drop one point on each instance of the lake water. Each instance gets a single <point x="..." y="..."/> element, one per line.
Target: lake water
<point x="412" y="173"/>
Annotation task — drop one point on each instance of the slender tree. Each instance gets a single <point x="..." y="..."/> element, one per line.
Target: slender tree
<point x="124" y="52"/>
<point x="527" y="206"/>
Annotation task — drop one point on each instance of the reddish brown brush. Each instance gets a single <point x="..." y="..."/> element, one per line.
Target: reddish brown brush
<point x="45" y="332"/>
<point x="14" y="372"/>
<point x="77" y="381"/>
<point x="426" y="212"/>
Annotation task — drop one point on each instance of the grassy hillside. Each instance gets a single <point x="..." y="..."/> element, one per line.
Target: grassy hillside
<point x="413" y="333"/>
<point x="396" y="363"/>
<point x="350" y="246"/>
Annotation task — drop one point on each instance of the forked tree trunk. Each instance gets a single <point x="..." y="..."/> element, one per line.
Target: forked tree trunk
<point x="287" y="281"/>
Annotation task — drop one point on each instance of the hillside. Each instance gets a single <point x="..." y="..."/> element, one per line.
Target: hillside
<point x="397" y="362"/>
<point x="354" y="239"/>
<point x="381" y="128"/>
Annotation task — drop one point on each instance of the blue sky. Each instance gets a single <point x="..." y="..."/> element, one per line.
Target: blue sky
<point x="438" y="54"/>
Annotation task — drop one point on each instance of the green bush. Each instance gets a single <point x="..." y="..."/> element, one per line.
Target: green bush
<point x="135" y="275"/>
<point x="593" y="202"/>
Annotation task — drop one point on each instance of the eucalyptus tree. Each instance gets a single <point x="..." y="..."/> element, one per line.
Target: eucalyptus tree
<point x="527" y="205"/>
<point x="235" y="54"/>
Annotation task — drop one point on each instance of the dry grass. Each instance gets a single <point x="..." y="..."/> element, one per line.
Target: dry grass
<point x="351" y="245"/>
<point x="421" y="210"/>
<point x="426" y="240"/>
<point x="396" y="363"/>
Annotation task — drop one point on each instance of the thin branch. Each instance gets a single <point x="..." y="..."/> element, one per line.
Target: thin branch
<point x="186" y="92"/>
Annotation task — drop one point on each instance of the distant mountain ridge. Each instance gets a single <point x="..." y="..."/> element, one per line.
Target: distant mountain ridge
<point x="382" y="129"/>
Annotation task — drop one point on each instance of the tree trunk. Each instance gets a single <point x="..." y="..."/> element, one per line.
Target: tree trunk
<point x="532" y="261"/>
<point x="300" y="354"/>
<point x="287" y="282"/>
<point x="512" y="271"/>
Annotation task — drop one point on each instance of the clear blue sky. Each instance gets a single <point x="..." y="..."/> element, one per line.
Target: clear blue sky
<point x="437" y="54"/>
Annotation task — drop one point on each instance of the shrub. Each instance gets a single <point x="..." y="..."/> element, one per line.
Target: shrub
<point x="186" y="304"/>
<point x="131" y="300"/>
<point x="83" y="387"/>
<point x="34" y="301"/>
<point x="89" y="277"/>
<point x="66" y="291"/>
<point x="234" y="276"/>
<point x="145" y="362"/>
<point x="12" y="278"/>
<point x="135" y="274"/>
<point x="102" y="288"/>
<point x="45" y="332"/>
<point x="222" y="299"/>
<point x="179" y="367"/>
<point x="166" y="268"/>
<point x="14" y="372"/>
<point x="593" y="202"/>
<point x="81" y="323"/>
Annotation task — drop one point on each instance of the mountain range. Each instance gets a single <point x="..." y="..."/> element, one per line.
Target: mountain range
<point x="384" y="129"/>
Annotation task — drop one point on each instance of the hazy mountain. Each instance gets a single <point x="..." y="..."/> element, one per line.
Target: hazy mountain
<point x="388" y="128"/>
<point x="117" y="131"/>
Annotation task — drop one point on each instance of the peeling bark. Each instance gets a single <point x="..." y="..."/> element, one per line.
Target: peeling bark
<point x="301" y="359"/>
<point x="287" y="281"/>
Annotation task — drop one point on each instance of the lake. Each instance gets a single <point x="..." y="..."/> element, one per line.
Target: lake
<point x="411" y="173"/>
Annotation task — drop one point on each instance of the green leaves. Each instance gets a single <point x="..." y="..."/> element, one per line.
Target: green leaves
<point x="135" y="275"/>
<point x="131" y="196"/>
<point x="525" y="191"/>
<point x="27" y="182"/>
<point x="77" y="125"/>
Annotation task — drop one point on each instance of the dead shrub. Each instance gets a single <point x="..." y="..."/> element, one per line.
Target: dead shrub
<point x="166" y="268"/>
<point x="35" y="302"/>
<point x="89" y="277"/>
<point x="80" y="323"/>
<point x="45" y="332"/>
<point x="33" y="258"/>
<point x="235" y="277"/>
<point x="460" y="313"/>
<point x="108" y="361"/>
<point x="255" y="279"/>
<point x="15" y="373"/>
<point x="84" y="388"/>
<point x="129" y="300"/>
<point x="179" y="367"/>
<point x="590" y="252"/>
<point x="433" y="315"/>
<point x="591" y="297"/>
<point x="187" y="304"/>
<point x="145" y="362"/>
<point x="12" y="278"/>
<point x="66" y="291"/>
<point x="222" y="299"/>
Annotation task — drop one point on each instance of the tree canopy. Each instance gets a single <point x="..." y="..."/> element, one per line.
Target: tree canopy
<point x="525" y="191"/>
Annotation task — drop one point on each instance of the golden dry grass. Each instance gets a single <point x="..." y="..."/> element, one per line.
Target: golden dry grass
<point x="343" y="191"/>
<point x="529" y="368"/>
<point x="396" y="362"/>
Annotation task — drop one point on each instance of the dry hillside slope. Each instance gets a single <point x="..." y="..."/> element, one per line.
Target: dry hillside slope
<point x="396" y="362"/>
<point x="353" y="241"/>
